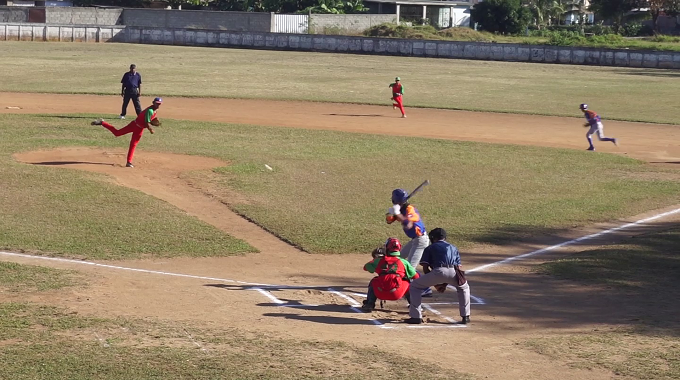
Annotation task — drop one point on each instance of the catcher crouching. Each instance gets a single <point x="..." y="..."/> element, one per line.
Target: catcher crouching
<point x="393" y="275"/>
<point x="145" y="120"/>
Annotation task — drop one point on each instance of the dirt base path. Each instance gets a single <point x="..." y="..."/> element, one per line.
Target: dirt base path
<point x="519" y="304"/>
<point x="649" y="142"/>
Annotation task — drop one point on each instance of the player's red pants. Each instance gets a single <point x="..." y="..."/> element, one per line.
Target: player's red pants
<point x="399" y="104"/>
<point x="130" y="128"/>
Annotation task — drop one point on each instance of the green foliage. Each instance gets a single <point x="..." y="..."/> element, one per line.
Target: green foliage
<point x="428" y="32"/>
<point x="337" y="7"/>
<point x="501" y="16"/>
<point x="613" y="10"/>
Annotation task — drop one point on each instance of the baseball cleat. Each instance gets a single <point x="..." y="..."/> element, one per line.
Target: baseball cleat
<point x="97" y="122"/>
<point x="465" y="320"/>
<point x="591" y="148"/>
<point x="616" y="142"/>
<point x="414" y="321"/>
<point x="403" y="116"/>
<point x="366" y="307"/>
<point x="121" y="117"/>
<point x="129" y="165"/>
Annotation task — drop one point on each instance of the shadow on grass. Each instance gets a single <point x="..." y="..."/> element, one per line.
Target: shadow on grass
<point x="651" y="73"/>
<point x="58" y="163"/>
<point x="633" y="283"/>
<point x="65" y="117"/>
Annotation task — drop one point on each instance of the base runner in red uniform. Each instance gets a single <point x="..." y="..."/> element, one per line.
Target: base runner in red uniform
<point x="394" y="276"/>
<point x="136" y="127"/>
<point x="397" y="93"/>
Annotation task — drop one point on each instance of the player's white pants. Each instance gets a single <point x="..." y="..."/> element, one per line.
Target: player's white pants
<point x="413" y="250"/>
<point x="599" y="128"/>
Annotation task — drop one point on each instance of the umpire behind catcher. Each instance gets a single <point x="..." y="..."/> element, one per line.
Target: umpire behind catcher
<point x="131" y="90"/>
<point x="441" y="264"/>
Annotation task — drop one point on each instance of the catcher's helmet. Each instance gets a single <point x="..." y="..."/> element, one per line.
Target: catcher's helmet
<point x="392" y="245"/>
<point x="399" y="196"/>
<point x="583" y="107"/>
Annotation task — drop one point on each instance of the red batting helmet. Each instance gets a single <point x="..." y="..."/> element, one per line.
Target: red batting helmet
<point x="392" y="245"/>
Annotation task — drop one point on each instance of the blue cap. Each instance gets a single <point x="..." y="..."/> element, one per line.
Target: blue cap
<point x="399" y="196"/>
<point x="158" y="100"/>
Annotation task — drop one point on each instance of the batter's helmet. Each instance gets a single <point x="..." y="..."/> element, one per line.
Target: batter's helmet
<point x="399" y="196"/>
<point x="583" y="106"/>
<point x="392" y="245"/>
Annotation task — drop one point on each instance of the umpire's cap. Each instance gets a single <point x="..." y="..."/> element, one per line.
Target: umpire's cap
<point x="437" y="234"/>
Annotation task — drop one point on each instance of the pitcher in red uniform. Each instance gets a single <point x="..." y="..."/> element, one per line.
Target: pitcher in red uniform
<point x="136" y="127"/>
<point x="397" y="93"/>
<point x="394" y="276"/>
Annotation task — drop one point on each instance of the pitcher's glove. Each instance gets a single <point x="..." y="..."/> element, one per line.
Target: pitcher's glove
<point x="378" y="252"/>
<point x="441" y="288"/>
<point x="155" y="123"/>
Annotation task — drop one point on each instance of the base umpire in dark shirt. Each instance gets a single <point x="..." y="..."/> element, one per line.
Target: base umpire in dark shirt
<point x="131" y="90"/>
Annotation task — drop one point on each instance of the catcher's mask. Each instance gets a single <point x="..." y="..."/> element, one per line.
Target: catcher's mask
<point x="392" y="245"/>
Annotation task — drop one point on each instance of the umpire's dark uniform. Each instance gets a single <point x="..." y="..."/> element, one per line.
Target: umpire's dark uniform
<point x="132" y="85"/>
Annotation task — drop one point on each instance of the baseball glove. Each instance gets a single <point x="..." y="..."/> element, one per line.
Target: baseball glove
<point x="155" y="122"/>
<point x="378" y="252"/>
<point x="441" y="288"/>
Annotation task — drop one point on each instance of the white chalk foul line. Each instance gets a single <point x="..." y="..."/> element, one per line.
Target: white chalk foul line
<point x="477" y="269"/>
<point x="570" y="242"/>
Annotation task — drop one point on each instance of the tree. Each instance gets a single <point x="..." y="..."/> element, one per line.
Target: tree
<point x="614" y="10"/>
<point x="337" y="7"/>
<point x="656" y="7"/>
<point x="501" y="16"/>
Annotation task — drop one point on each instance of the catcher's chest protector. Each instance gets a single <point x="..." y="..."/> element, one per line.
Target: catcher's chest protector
<point x="389" y="285"/>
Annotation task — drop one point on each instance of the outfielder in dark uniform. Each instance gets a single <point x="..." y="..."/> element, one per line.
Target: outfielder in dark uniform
<point x="441" y="264"/>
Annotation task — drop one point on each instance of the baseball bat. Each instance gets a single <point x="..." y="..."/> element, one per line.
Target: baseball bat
<point x="417" y="189"/>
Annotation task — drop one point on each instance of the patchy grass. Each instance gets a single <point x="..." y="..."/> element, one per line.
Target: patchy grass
<point x="26" y="278"/>
<point x="648" y="263"/>
<point x="655" y="354"/>
<point x="547" y="89"/>
<point x="642" y="273"/>
<point x="44" y="342"/>
<point x="327" y="193"/>
<point x="85" y="215"/>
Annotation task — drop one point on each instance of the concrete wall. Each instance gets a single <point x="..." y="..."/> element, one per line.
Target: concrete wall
<point x="416" y="48"/>
<point x="181" y="19"/>
<point x="347" y="23"/>
<point x="83" y="16"/>
<point x="344" y="44"/>
<point x="13" y="14"/>
<point x="64" y="33"/>
<point x="63" y="15"/>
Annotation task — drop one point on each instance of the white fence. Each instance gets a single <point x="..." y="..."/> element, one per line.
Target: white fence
<point x="293" y="24"/>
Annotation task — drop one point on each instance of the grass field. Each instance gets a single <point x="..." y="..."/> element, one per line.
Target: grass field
<point x="643" y="274"/>
<point x="544" y="189"/>
<point x="615" y="93"/>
